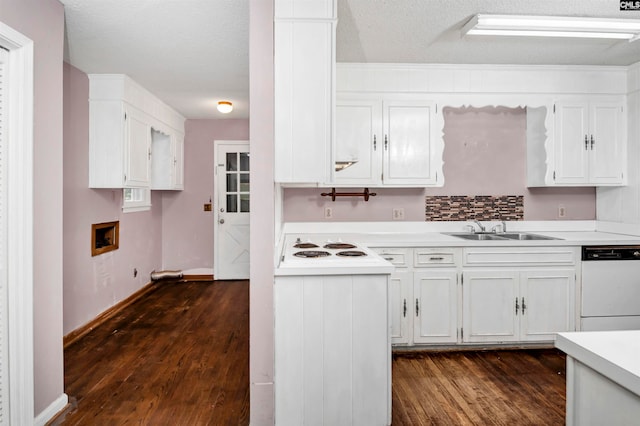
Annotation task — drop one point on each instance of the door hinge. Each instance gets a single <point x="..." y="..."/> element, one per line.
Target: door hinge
<point x="125" y="115"/>
<point x="461" y="279"/>
<point x="554" y="108"/>
<point x="554" y="175"/>
<point x="461" y="333"/>
<point x="436" y="176"/>
<point x="125" y="177"/>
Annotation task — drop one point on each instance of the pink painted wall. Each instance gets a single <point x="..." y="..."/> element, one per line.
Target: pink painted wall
<point x="485" y="154"/>
<point x="187" y="230"/>
<point x="43" y="22"/>
<point x="93" y="284"/>
<point x="262" y="218"/>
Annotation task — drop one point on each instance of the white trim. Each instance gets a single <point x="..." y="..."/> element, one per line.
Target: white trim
<point x="54" y="408"/>
<point x="20" y="221"/>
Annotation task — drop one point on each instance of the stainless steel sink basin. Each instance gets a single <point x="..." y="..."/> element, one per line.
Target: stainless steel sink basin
<point x="476" y="236"/>
<point x="506" y="236"/>
<point x="525" y="236"/>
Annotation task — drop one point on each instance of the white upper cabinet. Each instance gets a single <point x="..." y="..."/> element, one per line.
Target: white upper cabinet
<point x="589" y="143"/>
<point x="126" y="124"/>
<point x="358" y="142"/>
<point x="387" y="143"/>
<point x="167" y="161"/>
<point x="304" y="66"/>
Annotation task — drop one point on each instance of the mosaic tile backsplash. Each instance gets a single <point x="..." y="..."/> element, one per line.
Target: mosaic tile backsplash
<point x="479" y="207"/>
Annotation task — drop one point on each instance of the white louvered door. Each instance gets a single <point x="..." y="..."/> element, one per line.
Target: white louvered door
<point x="4" y="376"/>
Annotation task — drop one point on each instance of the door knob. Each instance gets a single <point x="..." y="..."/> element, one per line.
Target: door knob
<point x="221" y="221"/>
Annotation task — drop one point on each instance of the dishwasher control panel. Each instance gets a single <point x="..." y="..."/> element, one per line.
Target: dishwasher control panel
<point x="610" y="253"/>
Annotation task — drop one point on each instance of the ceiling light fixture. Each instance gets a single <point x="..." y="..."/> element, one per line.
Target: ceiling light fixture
<point x="552" y="26"/>
<point x="225" y="107"/>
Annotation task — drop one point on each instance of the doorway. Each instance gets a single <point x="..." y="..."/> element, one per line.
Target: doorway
<point x="231" y="210"/>
<point x="16" y="227"/>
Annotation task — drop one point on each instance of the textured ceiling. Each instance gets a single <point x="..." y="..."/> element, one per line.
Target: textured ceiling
<point x="428" y="31"/>
<point x="192" y="53"/>
<point x="189" y="53"/>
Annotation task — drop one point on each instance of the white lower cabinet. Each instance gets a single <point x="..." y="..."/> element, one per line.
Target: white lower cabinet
<point x="423" y="295"/>
<point x="527" y="303"/>
<point x="481" y="295"/>
<point x="332" y="352"/>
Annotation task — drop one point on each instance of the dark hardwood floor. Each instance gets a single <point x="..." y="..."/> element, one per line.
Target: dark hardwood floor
<point x="180" y="356"/>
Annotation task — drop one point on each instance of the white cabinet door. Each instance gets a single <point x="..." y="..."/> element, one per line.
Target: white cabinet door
<point x="547" y="303"/>
<point x="358" y="145"/>
<point x="137" y="150"/>
<point x="489" y="299"/>
<point x="166" y="160"/>
<point x="408" y="136"/>
<point x="589" y="143"/>
<point x="400" y="298"/>
<point x="435" y="306"/>
<point x="178" y="161"/>
<point x="304" y="100"/>
<point x="571" y="143"/>
<point x="606" y="144"/>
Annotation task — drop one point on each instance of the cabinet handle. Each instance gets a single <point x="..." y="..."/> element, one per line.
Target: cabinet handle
<point x="436" y="258"/>
<point x="586" y="142"/>
<point x="386" y="142"/>
<point x="404" y="308"/>
<point x="375" y="143"/>
<point x="517" y="306"/>
<point x="593" y="141"/>
<point x="523" y="306"/>
<point x="390" y="259"/>
<point x="417" y="308"/>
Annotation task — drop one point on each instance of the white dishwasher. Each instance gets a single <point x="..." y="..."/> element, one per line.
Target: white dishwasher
<point x="610" y="288"/>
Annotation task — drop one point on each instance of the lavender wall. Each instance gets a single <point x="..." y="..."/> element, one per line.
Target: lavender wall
<point x="43" y="22"/>
<point x="93" y="284"/>
<point x="485" y="154"/>
<point x="262" y="218"/>
<point x="187" y="230"/>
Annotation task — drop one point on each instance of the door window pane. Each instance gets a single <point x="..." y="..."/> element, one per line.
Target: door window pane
<point x="232" y="161"/>
<point x="232" y="182"/>
<point x="244" y="203"/>
<point x="244" y="161"/>
<point x="244" y="182"/>
<point x="232" y="203"/>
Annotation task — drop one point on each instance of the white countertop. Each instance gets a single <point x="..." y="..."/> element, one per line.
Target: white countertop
<point x="614" y="354"/>
<point x="433" y="234"/>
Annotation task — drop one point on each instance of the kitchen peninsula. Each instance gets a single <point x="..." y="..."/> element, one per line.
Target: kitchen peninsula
<point x="603" y="377"/>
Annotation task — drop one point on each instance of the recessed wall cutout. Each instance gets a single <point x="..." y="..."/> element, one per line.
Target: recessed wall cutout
<point x="104" y="237"/>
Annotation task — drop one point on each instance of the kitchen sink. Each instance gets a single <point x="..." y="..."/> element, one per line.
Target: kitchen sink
<point x="506" y="236"/>
<point x="525" y="236"/>
<point x="476" y="236"/>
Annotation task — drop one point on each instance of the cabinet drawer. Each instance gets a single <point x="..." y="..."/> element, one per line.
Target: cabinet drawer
<point x="397" y="256"/>
<point x="519" y="256"/>
<point x="434" y="257"/>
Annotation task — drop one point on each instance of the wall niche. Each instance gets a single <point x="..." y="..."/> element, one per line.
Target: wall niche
<point x="104" y="237"/>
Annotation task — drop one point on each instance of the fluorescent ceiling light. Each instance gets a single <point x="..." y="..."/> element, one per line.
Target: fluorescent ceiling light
<point x="552" y="26"/>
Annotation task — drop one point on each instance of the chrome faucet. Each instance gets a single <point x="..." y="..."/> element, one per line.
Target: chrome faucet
<point x="481" y="226"/>
<point x="502" y="225"/>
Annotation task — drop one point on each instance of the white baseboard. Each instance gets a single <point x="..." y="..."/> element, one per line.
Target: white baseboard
<point x="50" y="412"/>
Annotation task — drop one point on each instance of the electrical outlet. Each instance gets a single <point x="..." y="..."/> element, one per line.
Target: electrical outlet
<point x="562" y="211"/>
<point x="328" y="213"/>
<point x="207" y="207"/>
<point x="398" y="214"/>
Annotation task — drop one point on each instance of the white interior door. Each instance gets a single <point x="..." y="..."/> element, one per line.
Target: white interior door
<point x="231" y="228"/>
